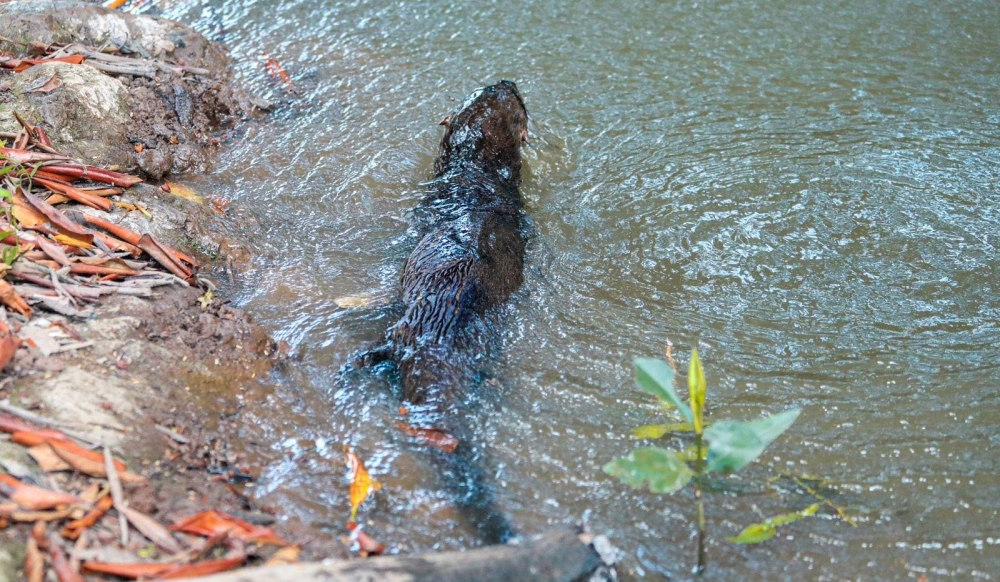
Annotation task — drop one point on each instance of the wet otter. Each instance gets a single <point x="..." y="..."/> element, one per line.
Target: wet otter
<point x="469" y="259"/>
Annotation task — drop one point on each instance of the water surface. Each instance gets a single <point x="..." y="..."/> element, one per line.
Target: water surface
<point x="811" y="190"/>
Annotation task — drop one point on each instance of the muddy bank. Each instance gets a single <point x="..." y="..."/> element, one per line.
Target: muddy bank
<point x="164" y="380"/>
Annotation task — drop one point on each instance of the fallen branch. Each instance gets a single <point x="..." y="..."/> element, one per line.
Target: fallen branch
<point x="563" y="556"/>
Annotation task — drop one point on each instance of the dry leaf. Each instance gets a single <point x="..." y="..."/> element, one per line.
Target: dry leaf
<point x="203" y="568"/>
<point x="75" y="528"/>
<point x="184" y="192"/>
<point x="73" y="241"/>
<point x="360" y="301"/>
<point x="362" y="484"/>
<point x="11" y="299"/>
<point x="34" y="562"/>
<point x="432" y="436"/>
<point x="48" y="86"/>
<point x="153" y="531"/>
<point x="284" y="556"/>
<point x="47" y="458"/>
<point x="35" y="498"/>
<point x="132" y="571"/>
<point x="212" y="522"/>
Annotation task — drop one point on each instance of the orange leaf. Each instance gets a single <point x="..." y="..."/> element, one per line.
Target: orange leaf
<point x="284" y="556"/>
<point x="362" y="484"/>
<point x="212" y="522"/>
<point x="34" y="562"/>
<point x="432" y="436"/>
<point x="47" y="458"/>
<point x="367" y="546"/>
<point x="74" y="528"/>
<point x="72" y="241"/>
<point x="8" y="345"/>
<point x="203" y="568"/>
<point x="11" y="299"/>
<point x="35" y="498"/>
<point x="131" y="571"/>
<point x="60" y="564"/>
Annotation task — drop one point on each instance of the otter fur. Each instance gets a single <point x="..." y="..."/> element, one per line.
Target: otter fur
<point x="469" y="259"/>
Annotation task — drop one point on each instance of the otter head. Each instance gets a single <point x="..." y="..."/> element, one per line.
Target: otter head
<point x="486" y="134"/>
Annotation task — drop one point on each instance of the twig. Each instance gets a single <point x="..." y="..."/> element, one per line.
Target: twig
<point x="116" y="493"/>
<point x="173" y="435"/>
<point x="840" y="510"/>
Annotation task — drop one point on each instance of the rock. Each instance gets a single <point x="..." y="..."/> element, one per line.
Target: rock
<point x="156" y="163"/>
<point x="86" y="117"/>
<point x="12" y="553"/>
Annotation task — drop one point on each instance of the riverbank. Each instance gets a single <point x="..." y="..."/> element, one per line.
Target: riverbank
<point x="161" y="380"/>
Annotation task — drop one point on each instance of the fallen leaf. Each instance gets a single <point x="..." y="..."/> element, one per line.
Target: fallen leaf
<point x="203" y="568"/>
<point x="284" y="556"/>
<point x="360" y="301"/>
<point x="88" y="465"/>
<point x="212" y="522"/>
<point x="275" y="69"/>
<point x="60" y="564"/>
<point x="75" y="528"/>
<point x="8" y="345"/>
<point x="11" y="299"/>
<point x="362" y="484"/>
<point x="48" y="86"/>
<point x="47" y="458"/>
<point x="432" y="436"/>
<point x="367" y="545"/>
<point x="153" y="531"/>
<point x="34" y="562"/>
<point x="131" y="571"/>
<point x="60" y="442"/>
<point x="73" y="241"/>
<point x="35" y="498"/>
<point x="220" y="205"/>
<point x="184" y="192"/>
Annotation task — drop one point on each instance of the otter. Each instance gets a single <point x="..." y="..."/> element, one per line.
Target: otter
<point x="469" y="260"/>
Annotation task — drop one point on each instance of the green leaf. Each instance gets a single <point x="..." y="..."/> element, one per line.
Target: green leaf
<point x="657" y="378"/>
<point x="761" y="532"/>
<point x="697" y="390"/>
<point x="754" y="534"/>
<point x="655" y="431"/>
<point x="663" y="470"/>
<point x="5" y="194"/>
<point x="733" y="444"/>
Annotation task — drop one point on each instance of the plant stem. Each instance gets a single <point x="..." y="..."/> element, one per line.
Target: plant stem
<point x="701" y="506"/>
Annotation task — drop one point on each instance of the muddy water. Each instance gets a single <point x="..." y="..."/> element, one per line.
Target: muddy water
<point x="812" y="190"/>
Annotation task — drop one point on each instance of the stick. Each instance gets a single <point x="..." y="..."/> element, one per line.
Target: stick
<point x="116" y="493"/>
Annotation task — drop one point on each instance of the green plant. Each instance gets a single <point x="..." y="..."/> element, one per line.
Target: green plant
<point x="726" y="446"/>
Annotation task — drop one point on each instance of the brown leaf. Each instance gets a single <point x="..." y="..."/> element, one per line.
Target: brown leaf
<point x="8" y="345"/>
<point x="367" y="545"/>
<point x="59" y="442"/>
<point x="132" y="571"/>
<point x="152" y="529"/>
<point x="75" y="528"/>
<point x="90" y="466"/>
<point x="11" y="299"/>
<point x="203" y="568"/>
<point x="161" y="255"/>
<point x="35" y="498"/>
<point x="59" y="562"/>
<point x="212" y="522"/>
<point x="47" y="458"/>
<point x="80" y="196"/>
<point x="55" y="216"/>
<point x="432" y="436"/>
<point x="48" y="86"/>
<point x="284" y="556"/>
<point x="34" y="562"/>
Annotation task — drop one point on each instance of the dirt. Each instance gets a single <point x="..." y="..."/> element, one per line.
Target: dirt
<point x="172" y="123"/>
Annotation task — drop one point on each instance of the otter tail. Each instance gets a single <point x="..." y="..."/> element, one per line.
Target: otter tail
<point x="436" y="383"/>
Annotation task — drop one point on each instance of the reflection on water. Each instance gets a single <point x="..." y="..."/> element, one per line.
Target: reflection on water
<point x="812" y="189"/>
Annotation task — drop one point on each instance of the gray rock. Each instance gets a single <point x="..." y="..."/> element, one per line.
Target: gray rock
<point x="88" y="111"/>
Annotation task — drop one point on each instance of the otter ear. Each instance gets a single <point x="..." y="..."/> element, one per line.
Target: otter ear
<point x="524" y="136"/>
<point x="446" y="121"/>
